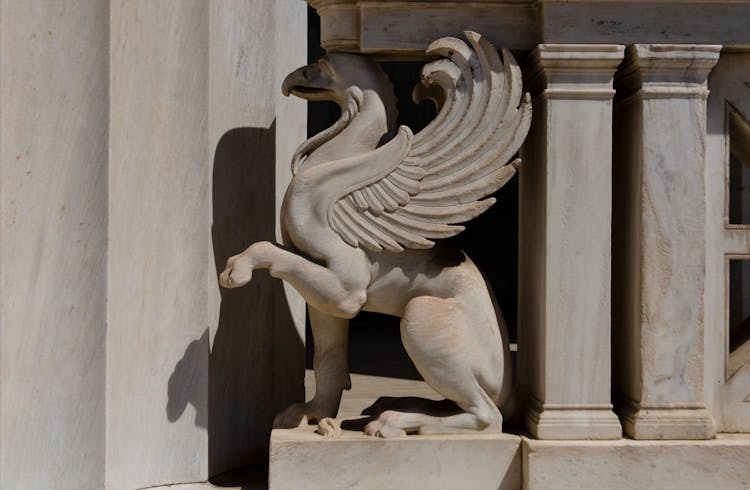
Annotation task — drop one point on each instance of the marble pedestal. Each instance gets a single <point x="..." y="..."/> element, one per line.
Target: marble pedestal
<point x="302" y="459"/>
<point x="564" y="251"/>
<point x="688" y="465"/>
<point x="658" y="241"/>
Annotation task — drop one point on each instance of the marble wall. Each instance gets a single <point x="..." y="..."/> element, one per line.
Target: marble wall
<point x="139" y="151"/>
<point x="54" y="92"/>
<point x="158" y="272"/>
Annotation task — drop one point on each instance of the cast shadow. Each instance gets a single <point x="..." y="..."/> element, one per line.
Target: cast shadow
<point x="187" y="383"/>
<point x="256" y="367"/>
<point x="256" y="361"/>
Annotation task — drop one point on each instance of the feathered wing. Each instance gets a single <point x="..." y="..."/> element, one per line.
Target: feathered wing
<point x="453" y="164"/>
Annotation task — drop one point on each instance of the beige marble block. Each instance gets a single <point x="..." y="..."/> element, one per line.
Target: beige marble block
<point x="158" y="245"/>
<point x="686" y="465"/>
<point x="658" y="21"/>
<point x="302" y="459"/>
<point x="405" y="29"/>
<point x="53" y="216"/>
<point x="564" y="244"/>
<point x="659" y="241"/>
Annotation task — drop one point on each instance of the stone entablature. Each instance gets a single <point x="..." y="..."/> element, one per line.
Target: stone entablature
<point x="402" y="29"/>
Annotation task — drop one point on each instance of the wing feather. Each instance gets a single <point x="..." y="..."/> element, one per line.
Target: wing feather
<point x="446" y="214"/>
<point x="359" y="199"/>
<point x="411" y="186"/>
<point x="365" y="231"/>
<point x="410" y="172"/>
<point x="403" y="235"/>
<point x="388" y="202"/>
<point x="344" y="227"/>
<point x="443" y="174"/>
<point x="469" y="192"/>
<point x="426" y="229"/>
<point x="374" y="204"/>
<point x="402" y="197"/>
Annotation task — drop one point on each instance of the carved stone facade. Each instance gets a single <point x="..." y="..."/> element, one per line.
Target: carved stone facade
<point x="143" y="143"/>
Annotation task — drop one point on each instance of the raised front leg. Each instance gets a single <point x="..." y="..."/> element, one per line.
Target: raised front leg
<point x="339" y="293"/>
<point x="330" y="338"/>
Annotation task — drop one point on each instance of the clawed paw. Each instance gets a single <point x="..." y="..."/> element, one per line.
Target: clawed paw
<point x="329" y="427"/>
<point x="238" y="272"/>
<point x="384" y="426"/>
<point x="373" y="428"/>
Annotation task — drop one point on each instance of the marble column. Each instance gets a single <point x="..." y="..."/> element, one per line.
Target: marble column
<point x="139" y="150"/>
<point x="564" y="243"/>
<point x="158" y="261"/>
<point x="54" y="135"/>
<point x="659" y="240"/>
<point x="196" y="374"/>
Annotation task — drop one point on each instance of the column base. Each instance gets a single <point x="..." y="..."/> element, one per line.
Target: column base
<point x="667" y="423"/>
<point x="574" y="422"/>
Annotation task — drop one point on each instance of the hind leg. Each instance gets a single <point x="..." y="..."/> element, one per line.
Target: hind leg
<point x="450" y="353"/>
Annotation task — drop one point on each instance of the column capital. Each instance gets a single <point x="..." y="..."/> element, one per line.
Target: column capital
<point x="575" y="70"/>
<point x="674" y="68"/>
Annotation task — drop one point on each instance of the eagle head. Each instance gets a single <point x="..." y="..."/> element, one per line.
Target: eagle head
<point x="331" y="76"/>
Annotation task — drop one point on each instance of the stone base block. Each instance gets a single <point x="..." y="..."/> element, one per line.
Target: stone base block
<point x="299" y="458"/>
<point x="717" y="464"/>
<point x="668" y="423"/>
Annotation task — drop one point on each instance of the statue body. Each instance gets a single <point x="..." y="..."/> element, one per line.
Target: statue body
<point x="359" y="218"/>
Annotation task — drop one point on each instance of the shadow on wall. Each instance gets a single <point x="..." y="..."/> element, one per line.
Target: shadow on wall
<point x="250" y="379"/>
<point x="187" y="381"/>
<point x="256" y="363"/>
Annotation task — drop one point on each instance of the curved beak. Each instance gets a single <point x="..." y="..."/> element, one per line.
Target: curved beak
<point x="294" y="79"/>
<point x="308" y="83"/>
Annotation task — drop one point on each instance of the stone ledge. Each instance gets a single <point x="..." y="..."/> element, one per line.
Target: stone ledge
<point x="720" y="463"/>
<point x="393" y="29"/>
<point x="299" y="458"/>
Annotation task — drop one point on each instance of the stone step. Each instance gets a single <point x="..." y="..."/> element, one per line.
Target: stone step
<point x="300" y="458"/>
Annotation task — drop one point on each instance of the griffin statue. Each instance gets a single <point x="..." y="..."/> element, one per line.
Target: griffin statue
<point x="361" y="217"/>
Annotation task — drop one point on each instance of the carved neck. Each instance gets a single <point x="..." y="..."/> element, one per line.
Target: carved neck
<point x="367" y="128"/>
<point x="367" y="119"/>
